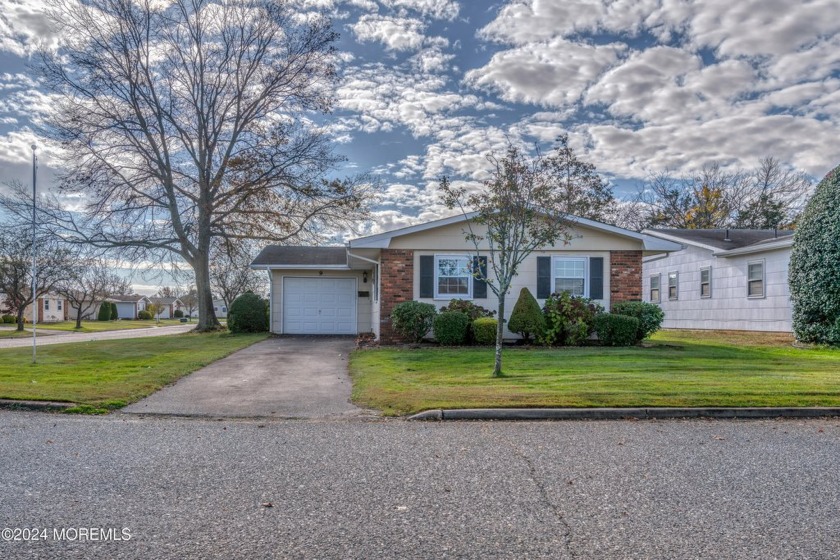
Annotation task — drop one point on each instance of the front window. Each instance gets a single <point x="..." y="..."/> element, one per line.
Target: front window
<point x="46" y="305"/>
<point x="224" y="309"/>
<point x="58" y="304"/>
<point x="654" y="288"/>
<point x="453" y="276"/>
<point x="755" y="279"/>
<point x="673" y="286"/>
<point x="570" y="276"/>
<point x="705" y="282"/>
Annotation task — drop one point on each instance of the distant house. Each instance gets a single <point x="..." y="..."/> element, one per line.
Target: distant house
<point x="220" y="308"/>
<point x="52" y="308"/>
<point x="730" y="279"/>
<point x="128" y="306"/>
<point x="170" y="305"/>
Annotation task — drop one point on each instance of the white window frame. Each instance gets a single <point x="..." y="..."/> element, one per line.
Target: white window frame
<point x="658" y="288"/>
<point x="554" y="276"/>
<point x="438" y="295"/>
<point x="58" y="305"/>
<point x="763" y="264"/>
<point x="46" y="304"/>
<point x="703" y="269"/>
<point x="676" y="274"/>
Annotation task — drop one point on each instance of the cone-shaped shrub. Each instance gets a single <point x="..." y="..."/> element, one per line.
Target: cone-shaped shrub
<point x="527" y="318"/>
<point x="814" y="273"/>
<point x="104" y="311"/>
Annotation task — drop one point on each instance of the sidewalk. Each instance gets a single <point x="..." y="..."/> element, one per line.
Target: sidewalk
<point x="58" y="337"/>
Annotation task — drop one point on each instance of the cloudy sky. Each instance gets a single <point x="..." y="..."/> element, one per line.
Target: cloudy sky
<point x="431" y="86"/>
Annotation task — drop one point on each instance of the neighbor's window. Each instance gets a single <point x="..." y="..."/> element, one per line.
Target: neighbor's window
<point x="673" y="292"/>
<point x="452" y="276"/>
<point x="570" y="276"/>
<point x="224" y="309"/>
<point x="654" y="288"/>
<point x="706" y="282"/>
<point x="755" y="279"/>
<point x="46" y="305"/>
<point x="58" y="304"/>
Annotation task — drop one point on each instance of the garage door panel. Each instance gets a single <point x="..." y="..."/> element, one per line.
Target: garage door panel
<point x="319" y="306"/>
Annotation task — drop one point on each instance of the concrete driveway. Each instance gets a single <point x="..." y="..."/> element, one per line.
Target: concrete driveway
<point x="291" y="377"/>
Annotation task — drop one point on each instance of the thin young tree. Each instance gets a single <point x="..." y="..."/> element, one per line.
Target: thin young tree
<point x="52" y="267"/>
<point x="88" y="282"/>
<point x="231" y="274"/>
<point x="516" y="212"/>
<point x="188" y="121"/>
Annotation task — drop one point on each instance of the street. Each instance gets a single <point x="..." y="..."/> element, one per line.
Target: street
<point x="200" y="488"/>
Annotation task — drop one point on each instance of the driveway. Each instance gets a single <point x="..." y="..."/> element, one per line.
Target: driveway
<point x="61" y="337"/>
<point x="291" y="377"/>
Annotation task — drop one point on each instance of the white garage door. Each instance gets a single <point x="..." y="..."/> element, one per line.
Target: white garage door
<point x="319" y="306"/>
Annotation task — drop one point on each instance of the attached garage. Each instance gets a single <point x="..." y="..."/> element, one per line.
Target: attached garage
<point x="319" y="305"/>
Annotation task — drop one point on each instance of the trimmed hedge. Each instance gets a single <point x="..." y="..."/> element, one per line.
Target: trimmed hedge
<point x="177" y="314"/>
<point x="650" y="316"/>
<point x="814" y="272"/>
<point x="8" y="319"/>
<point x="484" y="330"/>
<point x="616" y="330"/>
<point x="104" y="311"/>
<point x="451" y="328"/>
<point x="412" y="319"/>
<point x="527" y="318"/>
<point x="115" y="314"/>
<point x="144" y="315"/>
<point x="247" y="314"/>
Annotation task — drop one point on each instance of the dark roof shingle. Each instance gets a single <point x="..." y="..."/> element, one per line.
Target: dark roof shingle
<point x="305" y="256"/>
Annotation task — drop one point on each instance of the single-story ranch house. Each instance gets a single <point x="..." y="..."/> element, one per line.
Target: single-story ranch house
<point x="352" y="289"/>
<point x="730" y="279"/>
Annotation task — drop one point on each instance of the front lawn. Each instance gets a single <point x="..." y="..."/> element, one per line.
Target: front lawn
<point x="676" y="368"/>
<point x="108" y="374"/>
<point x="100" y="326"/>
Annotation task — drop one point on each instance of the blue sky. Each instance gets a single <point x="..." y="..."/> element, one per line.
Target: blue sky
<point x="430" y="87"/>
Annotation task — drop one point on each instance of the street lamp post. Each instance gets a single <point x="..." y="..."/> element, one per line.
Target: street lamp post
<point x="34" y="258"/>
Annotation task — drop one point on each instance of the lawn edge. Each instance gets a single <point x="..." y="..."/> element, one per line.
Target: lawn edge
<point x="663" y="413"/>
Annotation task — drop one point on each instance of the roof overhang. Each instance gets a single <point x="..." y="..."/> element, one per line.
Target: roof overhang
<point x="300" y="267"/>
<point x="383" y="240"/>
<point x="782" y="243"/>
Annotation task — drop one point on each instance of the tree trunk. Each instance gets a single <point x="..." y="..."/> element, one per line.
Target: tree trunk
<point x="500" y="332"/>
<point x="20" y="318"/>
<point x="79" y="317"/>
<point x="207" y="320"/>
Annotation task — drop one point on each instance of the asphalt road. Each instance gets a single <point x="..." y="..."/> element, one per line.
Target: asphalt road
<point x="193" y="488"/>
<point x="62" y="337"/>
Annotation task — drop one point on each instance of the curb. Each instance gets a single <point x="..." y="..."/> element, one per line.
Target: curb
<point x="622" y="413"/>
<point x="49" y="406"/>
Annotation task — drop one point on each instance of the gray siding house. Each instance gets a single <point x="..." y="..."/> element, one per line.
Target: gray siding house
<point x="722" y="279"/>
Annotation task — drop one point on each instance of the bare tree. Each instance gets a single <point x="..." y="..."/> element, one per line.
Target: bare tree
<point x="88" y="282"/>
<point x="190" y="300"/>
<point x="231" y="274"/>
<point x="517" y="211"/>
<point x="769" y="196"/>
<point x="16" y="267"/>
<point x="185" y="122"/>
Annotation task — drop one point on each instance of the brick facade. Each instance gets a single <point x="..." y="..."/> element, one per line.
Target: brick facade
<point x="625" y="276"/>
<point x="397" y="285"/>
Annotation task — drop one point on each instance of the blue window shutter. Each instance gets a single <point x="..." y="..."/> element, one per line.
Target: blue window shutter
<point x="596" y="277"/>
<point x="427" y="276"/>
<point x="480" y="286"/>
<point x="543" y="277"/>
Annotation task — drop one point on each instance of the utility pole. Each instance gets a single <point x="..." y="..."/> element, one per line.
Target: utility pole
<point x="34" y="258"/>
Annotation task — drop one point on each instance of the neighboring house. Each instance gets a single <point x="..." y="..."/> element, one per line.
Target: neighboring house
<point x="128" y="306"/>
<point x="170" y="305"/>
<point x="220" y="308"/>
<point x="723" y="279"/>
<point x="352" y="289"/>
<point x="52" y="308"/>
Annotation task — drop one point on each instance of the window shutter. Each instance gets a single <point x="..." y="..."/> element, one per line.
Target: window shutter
<point x="480" y="286"/>
<point x="543" y="277"/>
<point x="427" y="276"/>
<point x="596" y="277"/>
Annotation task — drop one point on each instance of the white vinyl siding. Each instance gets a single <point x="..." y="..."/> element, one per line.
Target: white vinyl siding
<point x="453" y="277"/>
<point x="569" y="275"/>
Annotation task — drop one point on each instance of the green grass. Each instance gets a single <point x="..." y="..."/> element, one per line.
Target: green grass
<point x="100" y="326"/>
<point x="109" y="374"/>
<point x="676" y="368"/>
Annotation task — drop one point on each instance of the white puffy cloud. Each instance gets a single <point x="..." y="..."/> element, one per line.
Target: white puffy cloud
<point x="396" y="33"/>
<point x="24" y="26"/>
<point x="553" y="73"/>
<point x="438" y="9"/>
